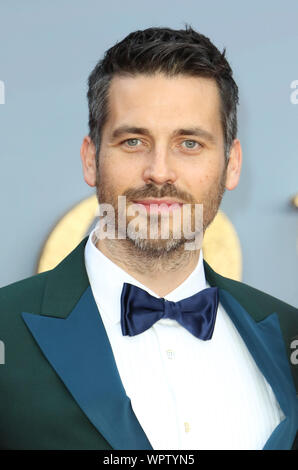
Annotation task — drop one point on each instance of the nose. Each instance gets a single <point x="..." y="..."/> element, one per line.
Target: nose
<point x="159" y="168"/>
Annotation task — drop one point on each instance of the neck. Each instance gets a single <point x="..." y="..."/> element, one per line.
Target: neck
<point x="161" y="272"/>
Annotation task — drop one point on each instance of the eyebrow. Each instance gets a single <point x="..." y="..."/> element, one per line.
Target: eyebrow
<point x="196" y="131"/>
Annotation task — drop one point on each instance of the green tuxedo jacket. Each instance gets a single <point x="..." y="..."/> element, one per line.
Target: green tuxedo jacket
<point x="60" y="387"/>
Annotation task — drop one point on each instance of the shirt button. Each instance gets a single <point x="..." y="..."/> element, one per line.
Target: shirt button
<point x="186" y="427"/>
<point x="170" y="354"/>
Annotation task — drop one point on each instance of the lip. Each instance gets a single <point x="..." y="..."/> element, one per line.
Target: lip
<point x="147" y="202"/>
<point x="163" y="205"/>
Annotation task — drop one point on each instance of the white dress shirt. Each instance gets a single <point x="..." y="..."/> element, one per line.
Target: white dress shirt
<point x="186" y="393"/>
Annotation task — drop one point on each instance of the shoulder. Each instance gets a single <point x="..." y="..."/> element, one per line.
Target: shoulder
<point x="23" y="295"/>
<point x="67" y="279"/>
<point x="259" y="303"/>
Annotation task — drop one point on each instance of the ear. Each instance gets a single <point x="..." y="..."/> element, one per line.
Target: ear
<point x="234" y="165"/>
<point x="88" y="157"/>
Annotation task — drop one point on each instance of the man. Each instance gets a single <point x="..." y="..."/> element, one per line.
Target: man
<point x="132" y="341"/>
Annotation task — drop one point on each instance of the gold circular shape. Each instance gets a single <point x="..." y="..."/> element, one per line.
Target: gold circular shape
<point x="294" y="201"/>
<point x="67" y="234"/>
<point x="221" y="246"/>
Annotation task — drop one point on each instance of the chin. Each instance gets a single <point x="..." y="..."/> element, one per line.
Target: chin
<point x="157" y="247"/>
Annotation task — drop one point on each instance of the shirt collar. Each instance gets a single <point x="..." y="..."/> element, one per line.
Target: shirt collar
<point x="106" y="279"/>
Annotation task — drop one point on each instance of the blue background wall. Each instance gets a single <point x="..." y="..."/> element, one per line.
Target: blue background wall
<point x="47" y="50"/>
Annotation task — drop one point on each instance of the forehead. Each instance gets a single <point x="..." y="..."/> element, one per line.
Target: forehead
<point x="158" y="100"/>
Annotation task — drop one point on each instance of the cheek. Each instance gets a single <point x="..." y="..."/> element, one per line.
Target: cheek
<point x="202" y="180"/>
<point x="197" y="177"/>
<point x="118" y="173"/>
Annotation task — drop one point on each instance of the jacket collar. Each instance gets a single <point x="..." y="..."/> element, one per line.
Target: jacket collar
<point x="68" y="280"/>
<point x="65" y="284"/>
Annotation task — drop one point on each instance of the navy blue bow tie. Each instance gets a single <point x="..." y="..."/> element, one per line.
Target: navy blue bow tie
<point x="140" y="310"/>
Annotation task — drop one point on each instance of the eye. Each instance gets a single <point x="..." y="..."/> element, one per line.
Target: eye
<point x="131" y="142"/>
<point x="190" y="144"/>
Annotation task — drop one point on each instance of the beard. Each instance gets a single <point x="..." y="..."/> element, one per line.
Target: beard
<point x="157" y="247"/>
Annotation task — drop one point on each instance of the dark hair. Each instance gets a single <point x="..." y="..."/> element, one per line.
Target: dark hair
<point x="171" y="52"/>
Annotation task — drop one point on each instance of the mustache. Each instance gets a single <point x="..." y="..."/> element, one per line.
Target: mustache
<point x="150" y="190"/>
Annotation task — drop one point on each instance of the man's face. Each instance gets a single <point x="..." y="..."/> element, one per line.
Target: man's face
<point x="163" y="140"/>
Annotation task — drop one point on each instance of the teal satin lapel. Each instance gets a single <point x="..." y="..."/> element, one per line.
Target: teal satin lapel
<point x="79" y="350"/>
<point x="265" y="342"/>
